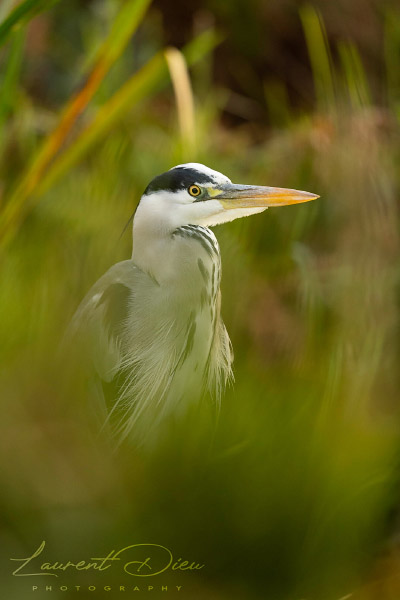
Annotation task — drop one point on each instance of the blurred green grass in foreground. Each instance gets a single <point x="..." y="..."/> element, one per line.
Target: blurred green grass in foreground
<point x="286" y="494"/>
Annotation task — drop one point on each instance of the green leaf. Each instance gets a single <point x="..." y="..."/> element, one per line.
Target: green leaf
<point x="319" y="52"/>
<point x="9" y="82"/>
<point x="355" y="76"/>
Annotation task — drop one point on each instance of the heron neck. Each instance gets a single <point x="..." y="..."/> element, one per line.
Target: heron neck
<point x="173" y="257"/>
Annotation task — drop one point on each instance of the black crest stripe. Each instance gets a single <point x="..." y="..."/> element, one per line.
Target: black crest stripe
<point x="178" y="179"/>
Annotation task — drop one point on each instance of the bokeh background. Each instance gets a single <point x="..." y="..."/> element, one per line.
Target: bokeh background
<point x="292" y="492"/>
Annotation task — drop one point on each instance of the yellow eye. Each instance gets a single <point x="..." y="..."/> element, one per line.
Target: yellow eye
<point x="194" y="190"/>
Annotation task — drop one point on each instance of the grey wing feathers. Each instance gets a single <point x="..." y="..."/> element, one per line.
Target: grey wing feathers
<point x="99" y="320"/>
<point x="147" y="365"/>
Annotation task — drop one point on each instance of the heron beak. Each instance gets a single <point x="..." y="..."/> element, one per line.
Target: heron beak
<point x="249" y="196"/>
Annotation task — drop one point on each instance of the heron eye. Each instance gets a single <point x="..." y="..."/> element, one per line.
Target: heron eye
<point x="194" y="190"/>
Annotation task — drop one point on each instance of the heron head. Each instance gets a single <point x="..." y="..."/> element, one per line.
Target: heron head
<point x="193" y="194"/>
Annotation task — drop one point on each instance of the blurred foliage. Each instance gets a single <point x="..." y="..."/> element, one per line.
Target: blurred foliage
<point x="265" y="47"/>
<point x="291" y="493"/>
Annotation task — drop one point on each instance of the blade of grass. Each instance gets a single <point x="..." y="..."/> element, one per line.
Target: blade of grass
<point x="11" y="75"/>
<point x="184" y="98"/>
<point x="356" y="80"/>
<point x="392" y="56"/>
<point x="123" y="28"/>
<point x="5" y="9"/>
<point x="21" y="15"/>
<point x="318" y="50"/>
<point x="9" y="82"/>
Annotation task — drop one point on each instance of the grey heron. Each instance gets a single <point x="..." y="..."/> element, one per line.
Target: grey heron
<point x="152" y="324"/>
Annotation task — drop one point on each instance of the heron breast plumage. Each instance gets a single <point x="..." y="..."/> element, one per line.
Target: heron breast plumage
<point x="163" y="345"/>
